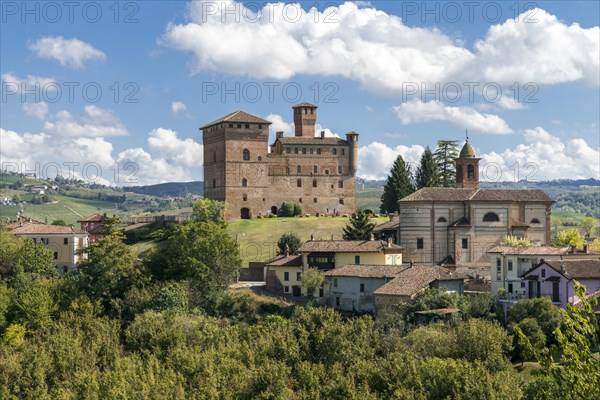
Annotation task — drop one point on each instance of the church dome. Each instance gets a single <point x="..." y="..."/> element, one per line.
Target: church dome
<point x="467" y="151"/>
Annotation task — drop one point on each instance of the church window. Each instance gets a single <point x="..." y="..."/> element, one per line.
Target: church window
<point x="420" y="243"/>
<point x="441" y="219"/>
<point x="491" y="217"/>
<point x="334" y="151"/>
<point x="246" y="154"/>
<point x="459" y="173"/>
<point x="535" y="221"/>
<point x="471" y="172"/>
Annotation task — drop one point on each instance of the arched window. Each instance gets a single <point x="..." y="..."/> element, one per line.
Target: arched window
<point x="246" y="154"/>
<point x="244" y="182"/>
<point x="471" y="172"/>
<point x="315" y="169"/>
<point x="535" y="221"/>
<point x="441" y="219"/>
<point x="491" y="217"/>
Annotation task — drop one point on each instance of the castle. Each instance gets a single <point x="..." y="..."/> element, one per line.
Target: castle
<point x="253" y="178"/>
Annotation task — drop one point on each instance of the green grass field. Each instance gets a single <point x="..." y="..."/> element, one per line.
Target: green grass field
<point x="258" y="238"/>
<point x="369" y="198"/>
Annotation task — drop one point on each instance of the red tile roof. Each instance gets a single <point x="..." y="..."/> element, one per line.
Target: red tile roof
<point x="347" y="246"/>
<point x="531" y="250"/>
<point x="411" y="280"/>
<point x="238" y="116"/>
<point x="577" y="269"/>
<point x="30" y="228"/>
<point x="366" y="271"/>
<point x="93" y="218"/>
<point x="485" y="194"/>
<point x="283" y="261"/>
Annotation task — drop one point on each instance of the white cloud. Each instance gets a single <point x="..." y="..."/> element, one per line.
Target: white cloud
<point x="16" y="84"/>
<point x="95" y="122"/>
<point x="177" y="107"/>
<point x="377" y="49"/>
<point x="279" y="124"/>
<point x="176" y="151"/>
<point x="36" y="110"/>
<point x="375" y="159"/>
<point x="72" y="53"/>
<point x="415" y="111"/>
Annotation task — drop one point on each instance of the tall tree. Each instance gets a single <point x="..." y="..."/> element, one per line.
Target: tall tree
<point x="359" y="227"/>
<point x="428" y="174"/>
<point x="292" y="241"/>
<point x="397" y="186"/>
<point x="444" y="156"/>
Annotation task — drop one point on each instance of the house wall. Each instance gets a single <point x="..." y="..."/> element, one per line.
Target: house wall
<point x="380" y="258"/>
<point x="66" y="253"/>
<point x="292" y="281"/>
<point x="349" y="294"/>
<point x="456" y="286"/>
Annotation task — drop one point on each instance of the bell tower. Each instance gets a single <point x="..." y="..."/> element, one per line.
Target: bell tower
<point x="305" y="118"/>
<point x="467" y="168"/>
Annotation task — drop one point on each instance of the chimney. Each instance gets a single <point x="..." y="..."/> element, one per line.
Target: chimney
<point x="322" y="134"/>
<point x="279" y="134"/>
<point x="312" y="237"/>
<point x="411" y="263"/>
<point x="372" y="237"/>
<point x="586" y="248"/>
<point x="542" y="261"/>
<point x="389" y="241"/>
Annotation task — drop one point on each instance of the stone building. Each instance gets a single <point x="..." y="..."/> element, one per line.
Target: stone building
<point x="460" y="224"/>
<point x="253" y="178"/>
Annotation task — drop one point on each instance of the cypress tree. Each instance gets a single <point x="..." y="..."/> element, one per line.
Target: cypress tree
<point x="397" y="186"/>
<point x="444" y="156"/>
<point x="359" y="227"/>
<point x="428" y="174"/>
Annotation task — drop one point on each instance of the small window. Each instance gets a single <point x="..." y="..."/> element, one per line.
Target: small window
<point x="288" y="150"/>
<point x="491" y="217"/>
<point x="326" y="172"/>
<point x="244" y="182"/>
<point x="286" y="276"/>
<point x="315" y="200"/>
<point x="441" y="220"/>
<point x="334" y="151"/>
<point x="214" y="156"/>
<point x="420" y="243"/>
<point x="343" y="152"/>
<point x="299" y="169"/>
<point x="535" y="221"/>
<point x="259" y="158"/>
<point x="246" y="155"/>
<point x="337" y="301"/>
<point x="522" y="284"/>
<point x="314" y="183"/>
<point x="543" y="273"/>
<point x="295" y="150"/>
<point x="66" y="241"/>
<point x="340" y="169"/>
<point x="510" y="265"/>
<point x="465" y="243"/>
<point x="245" y="197"/>
<point x="340" y="184"/>
<point x="287" y="170"/>
<point x="334" y="282"/>
<point x="56" y="255"/>
<point x="299" y="182"/>
<point x="510" y="288"/>
<point x="298" y="276"/>
<point x="341" y="201"/>
<point x="231" y="125"/>
<point x="286" y="289"/>
<point x="362" y="287"/>
<point x="259" y="126"/>
<point x="312" y="150"/>
<point x="315" y="169"/>
<point x="304" y="150"/>
<point x="498" y="262"/>
<point x="247" y="126"/>
<point x="239" y="126"/>
<point x="300" y="200"/>
<point x="318" y="151"/>
<point x="356" y="259"/>
<point x="214" y="183"/>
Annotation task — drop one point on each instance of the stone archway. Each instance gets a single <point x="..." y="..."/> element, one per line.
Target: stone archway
<point x="245" y="213"/>
<point x="274" y="210"/>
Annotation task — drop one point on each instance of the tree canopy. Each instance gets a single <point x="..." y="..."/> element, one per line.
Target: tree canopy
<point x="397" y="186"/>
<point x="444" y="156"/>
<point x="359" y="227"/>
<point x="428" y="174"/>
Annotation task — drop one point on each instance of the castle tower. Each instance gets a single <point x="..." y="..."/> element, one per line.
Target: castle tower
<point x="305" y="118"/>
<point x="467" y="168"/>
<point x="352" y="139"/>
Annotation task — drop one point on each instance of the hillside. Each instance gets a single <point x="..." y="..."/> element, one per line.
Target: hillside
<point x="172" y="189"/>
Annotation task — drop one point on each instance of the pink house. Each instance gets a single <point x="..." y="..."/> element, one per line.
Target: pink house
<point x="555" y="278"/>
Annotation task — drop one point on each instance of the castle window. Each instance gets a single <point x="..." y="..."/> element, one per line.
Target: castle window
<point x="315" y="200"/>
<point x="471" y="172"/>
<point x="299" y="169"/>
<point x="214" y="183"/>
<point x="56" y="255"/>
<point x="420" y="243"/>
<point x="259" y="158"/>
<point x="535" y="221"/>
<point x="239" y="126"/>
<point x="306" y="111"/>
<point x="341" y="201"/>
<point x="299" y="183"/>
<point x="214" y="156"/>
<point x="334" y="151"/>
<point x="300" y="200"/>
<point x="295" y="150"/>
<point x="343" y="152"/>
<point x="312" y="150"/>
<point x="244" y="182"/>
<point x="247" y="126"/>
<point x="287" y="170"/>
<point x="340" y="169"/>
<point x="66" y="241"/>
<point x="246" y="155"/>
<point x="312" y="111"/>
<point x="491" y="217"/>
<point x="315" y="169"/>
<point x="288" y="150"/>
<point x="245" y="197"/>
<point x="314" y="183"/>
<point x="326" y="172"/>
<point x="340" y="184"/>
<point x="318" y="151"/>
<point x="304" y="150"/>
<point x="441" y="219"/>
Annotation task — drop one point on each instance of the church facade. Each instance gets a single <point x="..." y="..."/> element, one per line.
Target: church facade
<point x="254" y="178"/>
<point x="458" y="225"/>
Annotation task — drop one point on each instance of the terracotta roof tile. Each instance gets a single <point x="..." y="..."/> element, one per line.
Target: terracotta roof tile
<point x="531" y="250"/>
<point x="314" y="141"/>
<point x="346" y="246"/>
<point x="577" y="269"/>
<point x="305" y="104"/>
<point x="394" y="223"/>
<point x="366" y="271"/>
<point x="440" y="194"/>
<point x="43" y="229"/>
<point x="411" y="280"/>
<point x="92" y="218"/>
<point x="238" y="116"/>
<point x="485" y="194"/>
<point x="283" y="261"/>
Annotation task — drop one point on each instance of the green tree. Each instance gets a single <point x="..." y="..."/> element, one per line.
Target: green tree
<point x="59" y="222"/>
<point x="587" y="225"/>
<point x="209" y="210"/>
<point x="111" y="225"/>
<point x="9" y="246"/>
<point x="569" y="237"/>
<point x="34" y="304"/>
<point x="515" y="241"/>
<point x="292" y="241"/>
<point x="359" y="227"/>
<point x="428" y="174"/>
<point x="595" y="245"/>
<point x="312" y="279"/>
<point x="172" y="297"/>
<point x="541" y="309"/>
<point x="444" y="156"/>
<point x="534" y="333"/>
<point x="34" y="258"/>
<point x="397" y="186"/>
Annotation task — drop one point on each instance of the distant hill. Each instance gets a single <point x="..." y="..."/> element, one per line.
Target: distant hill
<point x="169" y="189"/>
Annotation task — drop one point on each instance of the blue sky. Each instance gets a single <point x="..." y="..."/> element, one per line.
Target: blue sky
<point x="162" y="66"/>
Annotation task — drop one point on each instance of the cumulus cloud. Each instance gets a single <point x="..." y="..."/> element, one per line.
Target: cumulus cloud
<point x="95" y="122"/>
<point x="177" y="107"/>
<point x="36" y="110"/>
<point x="72" y="53"/>
<point x="416" y="111"/>
<point x="16" y="84"/>
<point x="375" y="159"/>
<point x="279" y="124"/>
<point x="377" y="49"/>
